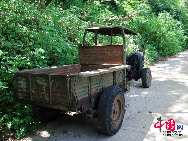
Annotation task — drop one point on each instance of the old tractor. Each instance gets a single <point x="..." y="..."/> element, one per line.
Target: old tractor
<point x="95" y="86"/>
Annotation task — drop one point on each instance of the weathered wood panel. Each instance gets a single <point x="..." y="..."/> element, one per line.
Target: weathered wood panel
<point x="96" y="84"/>
<point x="107" y="79"/>
<point x="40" y="88"/>
<point x="101" y="55"/>
<point x="51" y="70"/>
<point x="95" y="67"/>
<point x="119" y="77"/>
<point x="59" y="90"/>
<point x="79" y="87"/>
<point x="22" y="86"/>
<point x="51" y="87"/>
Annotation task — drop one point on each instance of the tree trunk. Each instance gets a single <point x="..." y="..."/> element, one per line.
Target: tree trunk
<point x="44" y="3"/>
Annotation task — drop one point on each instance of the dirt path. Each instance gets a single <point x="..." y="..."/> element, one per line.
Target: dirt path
<point x="166" y="98"/>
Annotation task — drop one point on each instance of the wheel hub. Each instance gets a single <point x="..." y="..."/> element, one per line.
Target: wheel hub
<point x="116" y="111"/>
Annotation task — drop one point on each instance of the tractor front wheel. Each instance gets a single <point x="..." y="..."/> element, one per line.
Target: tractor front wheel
<point x="146" y="77"/>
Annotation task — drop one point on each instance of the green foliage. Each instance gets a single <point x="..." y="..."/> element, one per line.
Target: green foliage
<point x="18" y="119"/>
<point x="176" y="8"/>
<point x="29" y="38"/>
<point x="162" y="32"/>
<point x="150" y="54"/>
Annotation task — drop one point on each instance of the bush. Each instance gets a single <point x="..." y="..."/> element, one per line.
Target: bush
<point x="29" y="38"/>
<point x="150" y="54"/>
<point x="162" y="32"/>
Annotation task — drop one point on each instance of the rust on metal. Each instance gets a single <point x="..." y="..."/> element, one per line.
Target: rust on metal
<point x="106" y="30"/>
<point x="124" y="79"/>
<point x="97" y="55"/>
<point x="117" y="110"/>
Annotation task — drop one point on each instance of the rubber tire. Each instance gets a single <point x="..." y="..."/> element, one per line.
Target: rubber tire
<point x="104" y="121"/>
<point x="146" y="77"/>
<point x="45" y="114"/>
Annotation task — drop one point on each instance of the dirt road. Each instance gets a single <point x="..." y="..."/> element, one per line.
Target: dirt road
<point x="166" y="98"/>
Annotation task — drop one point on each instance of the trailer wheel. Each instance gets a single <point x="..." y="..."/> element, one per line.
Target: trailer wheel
<point x="110" y="111"/>
<point x="45" y="114"/>
<point x="146" y="77"/>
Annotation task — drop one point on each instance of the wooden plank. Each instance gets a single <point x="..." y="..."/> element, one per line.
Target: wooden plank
<point x="119" y="77"/>
<point x="59" y="90"/>
<point x="107" y="79"/>
<point x="40" y="88"/>
<point x="45" y="87"/>
<point x="49" y="70"/>
<point x="99" y="71"/>
<point x="96" y="84"/>
<point x="95" y="67"/>
<point x="22" y="86"/>
<point x="79" y="87"/>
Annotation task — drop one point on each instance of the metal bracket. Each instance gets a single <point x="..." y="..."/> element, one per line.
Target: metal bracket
<point x="114" y="78"/>
<point x="73" y="90"/>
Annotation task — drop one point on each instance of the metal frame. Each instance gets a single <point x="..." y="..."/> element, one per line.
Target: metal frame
<point x="123" y="36"/>
<point x="84" y="37"/>
<point x="111" y="35"/>
<point x="95" y="37"/>
<point x="124" y="46"/>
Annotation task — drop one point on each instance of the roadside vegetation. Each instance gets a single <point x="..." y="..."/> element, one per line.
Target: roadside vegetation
<point x="35" y="34"/>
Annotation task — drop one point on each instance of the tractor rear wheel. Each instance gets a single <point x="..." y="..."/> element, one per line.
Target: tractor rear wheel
<point x="111" y="111"/>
